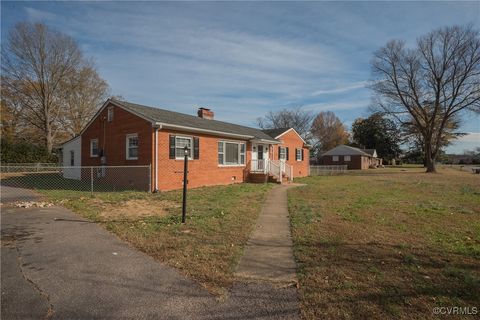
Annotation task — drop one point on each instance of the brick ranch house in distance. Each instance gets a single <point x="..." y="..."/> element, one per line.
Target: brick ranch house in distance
<point x="128" y="134"/>
<point x="354" y="158"/>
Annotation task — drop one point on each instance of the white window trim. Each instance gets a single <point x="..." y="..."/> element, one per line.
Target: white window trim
<point x="221" y="153"/>
<point x="284" y="149"/>
<point x="191" y="148"/>
<point x="239" y="154"/>
<point x="335" y="157"/>
<point x="127" y="137"/>
<point x="345" y="158"/>
<point x="91" y="148"/>
<point x="298" y="154"/>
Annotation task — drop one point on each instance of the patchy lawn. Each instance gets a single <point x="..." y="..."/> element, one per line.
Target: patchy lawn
<point x="207" y="248"/>
<point x="387" y="243"/>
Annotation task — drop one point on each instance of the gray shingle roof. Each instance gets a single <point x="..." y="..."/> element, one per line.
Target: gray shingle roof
<point x="181" y="119"/>
<point x="275" y="132"/>
<point x="343" y="150"/>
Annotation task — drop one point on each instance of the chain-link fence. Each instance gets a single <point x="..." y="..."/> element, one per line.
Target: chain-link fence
<point x="31" y="181"/>
<point x="327" y="170"/>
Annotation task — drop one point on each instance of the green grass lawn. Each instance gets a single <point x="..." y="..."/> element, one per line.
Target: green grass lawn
<point x="388" y="243"/>
<point x="207" y="248"/>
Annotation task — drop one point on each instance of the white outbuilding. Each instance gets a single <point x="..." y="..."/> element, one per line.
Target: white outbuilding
<point x="72" y="158"/>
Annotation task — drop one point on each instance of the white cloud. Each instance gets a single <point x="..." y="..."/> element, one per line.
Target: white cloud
<point x="341" y="89"/>
<point x="470" y="137"/>
<point x="36" y="15"/>
<point x="240" y="59"/>
<point x="333" y="106"/>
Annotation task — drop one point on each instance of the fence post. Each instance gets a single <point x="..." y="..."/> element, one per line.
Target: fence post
<point x="150" y="178"/>
<point x="91" y="182"/>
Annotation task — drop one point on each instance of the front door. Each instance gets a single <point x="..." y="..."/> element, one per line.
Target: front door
<point x="259" y="157"/>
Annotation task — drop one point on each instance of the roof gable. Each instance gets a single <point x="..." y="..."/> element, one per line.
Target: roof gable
<point x="277" y="133"/>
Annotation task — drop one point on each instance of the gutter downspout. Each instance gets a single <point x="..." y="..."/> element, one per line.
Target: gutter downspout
<point x="157" y="127"/>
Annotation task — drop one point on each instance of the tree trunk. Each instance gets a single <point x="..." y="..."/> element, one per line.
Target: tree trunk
<point x="48" y="139"/>
<point x="431" y="168"/>
<point x="429" y="160"/>
<point x="49" y="144"/>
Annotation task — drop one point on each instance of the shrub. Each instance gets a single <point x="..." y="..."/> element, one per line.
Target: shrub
<point x="24" y="152"/>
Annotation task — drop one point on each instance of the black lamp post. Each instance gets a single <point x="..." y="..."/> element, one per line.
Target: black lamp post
<point x="185" y="173"/>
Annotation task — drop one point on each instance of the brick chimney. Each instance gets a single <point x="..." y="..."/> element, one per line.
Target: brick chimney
<point x="205" y="113"/>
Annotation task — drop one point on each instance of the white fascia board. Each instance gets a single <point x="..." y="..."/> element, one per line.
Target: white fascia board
<point x="213" y="132"/>
<point x="265" y="141"/>
<point x="289" y="131"/>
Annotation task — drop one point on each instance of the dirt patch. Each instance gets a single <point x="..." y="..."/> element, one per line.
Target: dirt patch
<point x="138" y="208"/>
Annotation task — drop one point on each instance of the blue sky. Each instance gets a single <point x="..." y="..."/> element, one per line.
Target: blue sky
<point x="243" y="59"/>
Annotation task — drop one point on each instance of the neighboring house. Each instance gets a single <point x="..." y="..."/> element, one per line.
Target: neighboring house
<point x="128" y="134"/>
<point x="354" y="158"/>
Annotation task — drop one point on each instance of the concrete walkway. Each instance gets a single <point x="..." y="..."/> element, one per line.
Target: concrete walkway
<point x="269" y="255"/>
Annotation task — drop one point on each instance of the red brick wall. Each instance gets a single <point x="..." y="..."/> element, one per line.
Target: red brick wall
<point x="204" y="171"/>
<point x="112" y="139"/>
<point x="356" y="162"/>
<point x="293" y="141"/>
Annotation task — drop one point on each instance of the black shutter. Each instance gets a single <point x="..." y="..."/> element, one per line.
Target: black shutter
<point x="196" y="148"/>
<point x="172" y="147"/>
<point x="279" y="148"/>
<point x="286" y="151"/>
<point x="302" y="154"/>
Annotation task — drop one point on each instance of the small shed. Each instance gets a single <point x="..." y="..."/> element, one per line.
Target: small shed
<point x="72" y="158"/>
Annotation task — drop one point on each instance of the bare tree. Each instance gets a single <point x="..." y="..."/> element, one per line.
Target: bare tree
<point x="37" y="62"/>
<point x="84" y="93"/>
<point x="431" y="83"/>
<point x="11" y="112"/>
<point x="296" y="118"/>
<point x="327" y="132"/>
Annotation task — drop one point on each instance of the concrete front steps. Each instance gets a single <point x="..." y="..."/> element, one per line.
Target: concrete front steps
<point x="264" y="178"/>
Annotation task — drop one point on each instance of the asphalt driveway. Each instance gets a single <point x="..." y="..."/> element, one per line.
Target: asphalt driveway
<point x="57" y="265"/>
<point x="12" y="194"/>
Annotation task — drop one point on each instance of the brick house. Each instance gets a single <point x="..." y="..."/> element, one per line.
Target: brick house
<point x="128" y="134"/>
<point x="354" y="158"/>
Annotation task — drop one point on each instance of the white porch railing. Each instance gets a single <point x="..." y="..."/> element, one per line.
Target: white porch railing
<point x="288" y="169"/>
<point x="276" y="168"/>
<point x="259" y="166"/>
